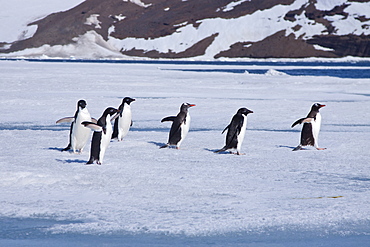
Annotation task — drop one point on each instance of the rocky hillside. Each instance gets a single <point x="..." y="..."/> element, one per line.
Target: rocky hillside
<point x="202" y="29"/>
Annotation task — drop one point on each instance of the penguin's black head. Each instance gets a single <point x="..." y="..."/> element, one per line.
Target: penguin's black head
<point x="244" y="111"/>
<point x="110" y="111"/>
<point x="316" y="107"/>
<point x="82" y="103"/>
<point x="186" y="106"/>
<point x="127" y="100"/>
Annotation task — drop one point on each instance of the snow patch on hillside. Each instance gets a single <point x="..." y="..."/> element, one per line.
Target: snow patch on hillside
<point x="91" y="45"/>
<point x="319" y="47"/>
<point x="139" y="3"/>
<point x="232" y="5"/>
<point x="327" y="5"/>
<point x="93" y="20"/>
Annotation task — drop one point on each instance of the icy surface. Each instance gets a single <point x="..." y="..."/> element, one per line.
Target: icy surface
<point x="267" y="194"/>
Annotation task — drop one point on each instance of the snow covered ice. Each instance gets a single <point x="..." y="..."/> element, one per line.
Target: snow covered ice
<point x="191" y="196"/>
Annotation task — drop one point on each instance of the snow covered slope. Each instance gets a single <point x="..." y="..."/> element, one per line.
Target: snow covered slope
<point x="200" y="29"/>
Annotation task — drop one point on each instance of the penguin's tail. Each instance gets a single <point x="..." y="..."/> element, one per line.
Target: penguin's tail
<point x="221" y="150"/>
<point x="92" y="160"/>
<point x="299" y="147"/>
<point x="164" y="146"/>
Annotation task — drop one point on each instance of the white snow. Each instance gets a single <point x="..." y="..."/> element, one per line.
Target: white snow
<point x="139" y="3"/>
<point x="273" y="72"/>
<point x="141" y="189"/>
<point x="329" y="4"/>
<point x="91" y="45"/>
<point x="231" y="5"/>
<point x="93" y="20"/>
<point x="319" y="47"/>
<point x="120" y="17"/>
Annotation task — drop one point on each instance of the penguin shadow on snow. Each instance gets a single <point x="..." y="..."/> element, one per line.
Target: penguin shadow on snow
<point x="215" y="151"/>
<point x="56" y="149"/>
<point x="158" y="144"/>
<point x="286" y="146"/>
<point x="163" y="145"/>
<point x="71" y="161"/>
<point x="62" y="150"/>
<point x="306" y="148"/>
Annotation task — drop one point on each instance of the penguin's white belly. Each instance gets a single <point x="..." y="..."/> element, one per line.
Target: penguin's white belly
<point x="316" y="125"/>
<point x="124" y="123"/>
<point x="80" y="134"/>
<point x="242" y="134"/>
<point x="105" y="140"/>
<point x="184" y="129"/>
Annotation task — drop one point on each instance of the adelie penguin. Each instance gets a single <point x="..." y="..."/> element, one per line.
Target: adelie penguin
<point x="102" y="135"/>
<point x="180" y="126"/>
<point x="236" y="131"/>
<point x="78" y="134"/>
<point x="123" y="122"/>
<point x="311" y="128"/>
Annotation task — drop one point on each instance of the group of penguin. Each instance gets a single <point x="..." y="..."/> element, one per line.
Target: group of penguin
<point x="82" y="124"/>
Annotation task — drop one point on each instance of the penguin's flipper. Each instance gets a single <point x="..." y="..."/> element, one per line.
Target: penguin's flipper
<point x="115" y="116"/>
<point x="225" y="129"/>
<point x="66" y="120"/>
<point x="115" y="129"/>
<point x="302" y="120"/>
<point x="94" y="120"/>
<point x="92" y="126"/>
<point x="171" y="118"/>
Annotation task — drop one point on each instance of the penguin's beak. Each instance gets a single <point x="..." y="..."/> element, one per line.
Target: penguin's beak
<point x="322" y="106"/>
<point x="190" y="105"/>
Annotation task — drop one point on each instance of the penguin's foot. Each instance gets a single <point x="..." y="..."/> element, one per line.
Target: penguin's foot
<point x="164" y="146"/>
<point x="238" y="153"/>
<point x="320" y="148"/>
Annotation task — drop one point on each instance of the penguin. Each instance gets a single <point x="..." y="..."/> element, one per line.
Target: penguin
<point x="236" y="131"/>
<point x="123" y="122"/>
<point x="101" y="136"/>
<point x="180" y="126"/>
<point x="78" y="134"/>
<point x="311" y="128"/>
